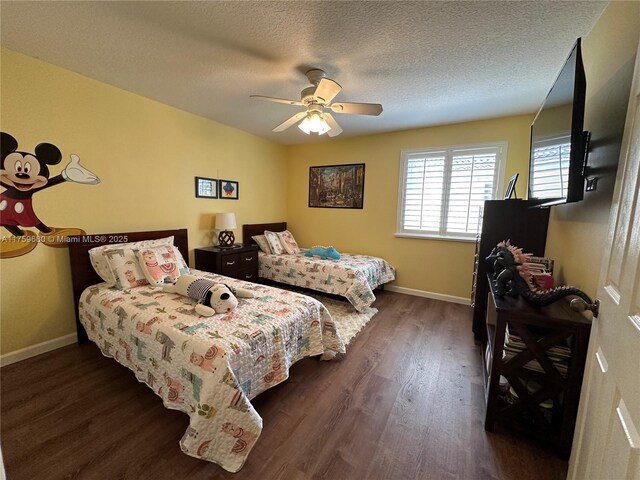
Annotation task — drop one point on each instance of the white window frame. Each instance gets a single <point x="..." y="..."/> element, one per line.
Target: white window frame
<point x="498" y="181"/>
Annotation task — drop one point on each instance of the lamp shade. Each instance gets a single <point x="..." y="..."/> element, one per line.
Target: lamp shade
<point x="314" y="122"/>
<point x="225" y="221"/>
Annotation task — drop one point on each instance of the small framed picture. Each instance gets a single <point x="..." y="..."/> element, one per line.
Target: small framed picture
<point x="206" y="187"/>
<point x="511" y="188"/>
<point x="229" y="189"/>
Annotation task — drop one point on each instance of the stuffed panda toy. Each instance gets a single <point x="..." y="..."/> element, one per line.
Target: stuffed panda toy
<point x="212" y="297"/>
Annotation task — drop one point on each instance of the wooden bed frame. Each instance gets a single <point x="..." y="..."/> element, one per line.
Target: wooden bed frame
<point x="251" y="229"/>
<point x="82" y="273"/>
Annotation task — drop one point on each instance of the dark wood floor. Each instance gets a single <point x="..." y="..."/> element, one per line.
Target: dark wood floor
<point x="405" y="403"/>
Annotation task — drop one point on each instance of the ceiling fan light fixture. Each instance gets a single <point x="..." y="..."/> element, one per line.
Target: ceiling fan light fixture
<point x="317" y="100"/>
<point x="314" y="122"/>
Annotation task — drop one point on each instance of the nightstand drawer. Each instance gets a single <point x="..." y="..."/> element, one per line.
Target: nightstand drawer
<point x="248" y="259"/>
<point x="229" y="264"/>
<point x="250" y="275"/>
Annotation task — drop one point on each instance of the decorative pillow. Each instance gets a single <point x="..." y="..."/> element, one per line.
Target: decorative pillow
<point x="288" y="242"/>
<point x="274" y="242"/>
<point x="100" y="264"/>
<point x="125" y="267"/>
<point x="158" y="263"/>
<point x="99" y="261"/>
<point x="261" y="240"/>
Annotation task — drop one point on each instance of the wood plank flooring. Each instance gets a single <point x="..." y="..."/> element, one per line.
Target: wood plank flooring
<point x="406" y="402"/>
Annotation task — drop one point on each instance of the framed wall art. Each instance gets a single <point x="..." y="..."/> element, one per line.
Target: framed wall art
<point x="229" y="189"/>
<point x="206" y="187"/>
<point x="336" y="186"/>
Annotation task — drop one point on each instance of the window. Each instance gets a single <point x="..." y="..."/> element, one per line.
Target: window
<point x="442" y="190"/>
<point x="550" y="167"/>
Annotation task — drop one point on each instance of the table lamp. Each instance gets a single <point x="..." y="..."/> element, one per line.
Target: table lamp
<point x="225" y="222"/>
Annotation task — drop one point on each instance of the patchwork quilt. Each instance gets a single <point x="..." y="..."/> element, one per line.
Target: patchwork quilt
<point x="353" y="276"/>
<point x="209" y="368"/>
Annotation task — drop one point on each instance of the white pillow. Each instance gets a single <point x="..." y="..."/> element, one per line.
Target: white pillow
<point x="274" y="242"/>
<point x="288" y="242"/>
<point x="159" y="262"/>
<point x="261" y="240"/>
<point x="99" y="261"/>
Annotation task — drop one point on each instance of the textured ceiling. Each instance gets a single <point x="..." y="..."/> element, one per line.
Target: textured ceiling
<point x="427" y="63"/>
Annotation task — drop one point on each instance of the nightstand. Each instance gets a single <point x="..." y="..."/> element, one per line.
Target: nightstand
<point x="238" y="262"/>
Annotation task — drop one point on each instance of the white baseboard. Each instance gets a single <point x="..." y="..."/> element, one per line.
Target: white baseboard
<point x="38" y="349"/>
<point x="422" y="293"/>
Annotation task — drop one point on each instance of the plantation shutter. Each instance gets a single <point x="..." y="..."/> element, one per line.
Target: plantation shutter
<point x="442" y="191"/>
<point x="472" y="182"/>
<point x="423" y="193"/>
<point x="550" y="173"/>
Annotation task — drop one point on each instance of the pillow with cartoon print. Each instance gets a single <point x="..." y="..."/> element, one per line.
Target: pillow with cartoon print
<point x="101" y="265"/>
<point x="274" y="242"/>
<point x="161" y="264"/>
<point x="261" y="240"/>
<point x="288" y="242"/>
<point x="126" y="270"/>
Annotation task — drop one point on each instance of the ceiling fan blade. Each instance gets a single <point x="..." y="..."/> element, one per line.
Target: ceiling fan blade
<point x="290" y="121"/>
<point x="335" y="128"/>
<point x="357" y="108"/>
<point x="326" y="90"/>
<point x="277" y="100"/>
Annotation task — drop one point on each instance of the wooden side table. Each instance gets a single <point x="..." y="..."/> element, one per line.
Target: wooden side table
<point x="538" y="330"/>
<point x="240" y="261"/>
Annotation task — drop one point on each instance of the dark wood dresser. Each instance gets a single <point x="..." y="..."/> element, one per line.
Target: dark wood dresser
<point x="513" y="220"/>
<point x="238" y="262"/>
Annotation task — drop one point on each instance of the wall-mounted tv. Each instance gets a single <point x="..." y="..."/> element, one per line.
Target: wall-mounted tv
<point x="558" y="143"/>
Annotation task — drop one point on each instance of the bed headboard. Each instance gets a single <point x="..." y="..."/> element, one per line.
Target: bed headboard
<point x="251" y="229"/>
<point x="82" y="273"/>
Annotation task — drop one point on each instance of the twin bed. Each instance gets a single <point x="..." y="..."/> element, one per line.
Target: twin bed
<point x="209" y="368"/>
<point x="353" y="276"/>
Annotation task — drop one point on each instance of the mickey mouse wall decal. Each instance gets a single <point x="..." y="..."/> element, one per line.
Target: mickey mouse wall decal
<point x="22" y="174"/>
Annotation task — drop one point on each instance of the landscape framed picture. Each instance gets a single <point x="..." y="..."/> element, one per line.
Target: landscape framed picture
<point x="336" y="186"/>
<point x="229" y="189"/>
<point x="206" y="187"/>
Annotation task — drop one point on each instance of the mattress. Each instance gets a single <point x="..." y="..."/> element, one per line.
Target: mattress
<point x="209" y="368"/>
<point x="353" y="276"/>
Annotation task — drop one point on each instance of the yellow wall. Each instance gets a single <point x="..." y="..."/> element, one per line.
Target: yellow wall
<point x="577" y="232"/>
<point x="436" y="266"/>
<point x="146" y="155"/>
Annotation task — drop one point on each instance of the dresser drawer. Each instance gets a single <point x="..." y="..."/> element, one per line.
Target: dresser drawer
<point x="229" y="264"/>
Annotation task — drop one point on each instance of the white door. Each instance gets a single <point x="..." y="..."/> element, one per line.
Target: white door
<point x="606" y="445"/>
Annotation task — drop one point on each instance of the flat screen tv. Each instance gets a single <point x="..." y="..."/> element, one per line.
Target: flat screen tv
<point x="558" y="144"/>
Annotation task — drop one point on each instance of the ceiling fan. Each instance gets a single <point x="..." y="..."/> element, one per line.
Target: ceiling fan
<point x="316" y="99"/>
